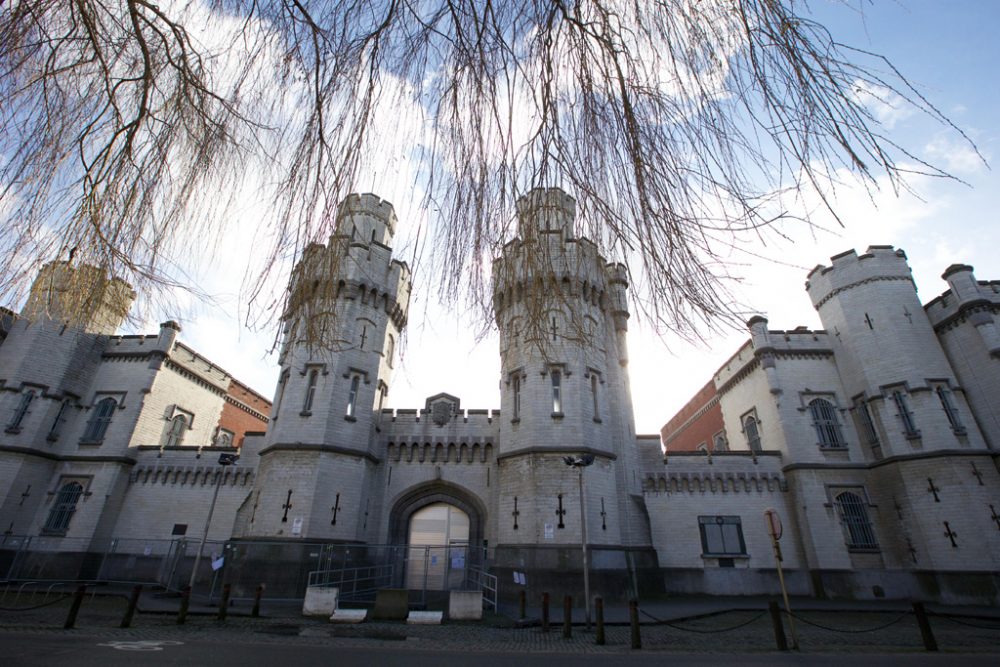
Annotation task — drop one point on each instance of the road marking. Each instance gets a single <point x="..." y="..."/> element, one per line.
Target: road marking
<point x="142" y="645"/>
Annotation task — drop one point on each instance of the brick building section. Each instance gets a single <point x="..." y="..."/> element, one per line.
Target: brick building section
<point x="245" y="411"/>
<point x="695" y="424"/>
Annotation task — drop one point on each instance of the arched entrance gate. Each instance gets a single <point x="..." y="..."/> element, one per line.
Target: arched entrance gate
<point x="441" y="528"/>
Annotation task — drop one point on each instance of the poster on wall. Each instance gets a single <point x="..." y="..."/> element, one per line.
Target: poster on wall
<point x="550" y="532"/>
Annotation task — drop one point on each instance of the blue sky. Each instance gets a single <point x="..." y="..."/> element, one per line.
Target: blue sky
<point x="948" y="50"/>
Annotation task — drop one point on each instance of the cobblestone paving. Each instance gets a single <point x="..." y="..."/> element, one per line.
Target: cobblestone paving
<point x="741" y="631"/>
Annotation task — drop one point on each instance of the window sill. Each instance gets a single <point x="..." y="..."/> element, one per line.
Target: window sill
<point x="832" y="448"/>
<point x="13" y="430"/>
<point x="305" y="413"/>
<point x="515" y="420"/>
<point x="863" y="550"/>
<point x="350" y="418"/>
<point x="90" y="443"/>
<point x="597" y="420"/>
<point x="557" y="415"/>
<point x="51" y="437"/>
<point x="913" y="435"/>
<point x="53" y="533"/>
<point x="736" y="556"/>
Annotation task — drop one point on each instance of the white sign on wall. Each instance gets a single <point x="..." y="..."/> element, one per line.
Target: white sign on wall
<point x="550" y="532"/>
<point x="297" y="526"/>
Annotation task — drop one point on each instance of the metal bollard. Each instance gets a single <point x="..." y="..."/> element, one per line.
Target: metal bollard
<point x="522" y="602"/>
<point x="224" y="602"/>
<point x="74" y="608"/>
<point x="567" y="617"/>
<point x="779" y="628"/>
<point x="925" y="626"/>
<point x="255" y="612"/>
<point x="599" y="611"/>
<point x="633" y="616"/>
<point x="182" y="613"/>
<point x="133" y="601"/>
<point x="545" y="612"/>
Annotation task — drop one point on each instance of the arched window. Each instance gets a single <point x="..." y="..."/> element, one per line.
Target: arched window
<point x="175" y="431"/>
<point x="854" y="516"/>
<point x="63" y="508"/>
<point x="21" y="411"/>
<point x="224" y="439"/>
<point x="750" y="428"/>
<point x="390" y="349"/>
<point x="720" y="443"/>
<point x="824" y="417"/>
<point x="99" y="420"/>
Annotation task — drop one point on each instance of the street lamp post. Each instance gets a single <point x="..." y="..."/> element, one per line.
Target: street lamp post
<point x="581" y="462"/>
<point x="225" y="459"/>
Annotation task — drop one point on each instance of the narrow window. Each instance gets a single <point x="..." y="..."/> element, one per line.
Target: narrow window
<point x="390" y="350"/>
<point x="175" y="430"/>
<point x="854" y="516"/>
<point x="282" y="383"/>
<point x="721" y="536"/>
<point x="868" y="428"/>
<point x="310" y="391"/>
<point x="59" y="420"/>
<point x="905" y="415"/>
<point x="99" y="421"/>
<point x="63" y="508"/>
<point x="352" y="397"/>
<point x="556" y="391"/>
<point x="720" y="443"/>
<point x="824" y="417"/>
<point x="516" y="389"/>
<point x="224" y="438"/>
<point x="950" y="410"/>
<point x="21" y="411"/>
<point x="593" y="395"/>
<point x="752" y="433"/>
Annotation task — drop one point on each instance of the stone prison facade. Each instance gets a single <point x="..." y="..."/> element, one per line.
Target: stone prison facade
<point x="874" y="439"/>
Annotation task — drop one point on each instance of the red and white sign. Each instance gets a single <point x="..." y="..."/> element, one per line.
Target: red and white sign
<point x="773" y="524"/>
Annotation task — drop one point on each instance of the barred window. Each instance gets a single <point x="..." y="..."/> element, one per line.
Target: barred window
<point x="910" y="426"/>
<point x="750" y="428"/>
<point x="21" y="411"/>
<point x="63" y="509"/>
<point x="854" y="516"/>
<point x="950" y="410"/>
<point x="721" y="536"/>
<point x="824" y="417"/>
<point x="60" y="419"/>
<point x="868" y="429"/>
<point x="99" y="421"/>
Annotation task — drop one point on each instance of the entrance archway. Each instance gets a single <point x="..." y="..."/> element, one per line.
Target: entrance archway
<point x="437" y="547"/>
<point x="439" y="527"/>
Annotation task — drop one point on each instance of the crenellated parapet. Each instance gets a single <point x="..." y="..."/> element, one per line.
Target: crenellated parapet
<point x="356" y="268"/>
<point x="849" y="270"/>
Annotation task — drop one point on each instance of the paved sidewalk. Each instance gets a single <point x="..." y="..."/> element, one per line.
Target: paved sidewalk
<point x="695" y="624"/>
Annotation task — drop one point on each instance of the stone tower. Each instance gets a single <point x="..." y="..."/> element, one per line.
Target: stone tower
<point x="347" y="306"/>
<point x="894" y="369"/>
<point x="562" y="315"/>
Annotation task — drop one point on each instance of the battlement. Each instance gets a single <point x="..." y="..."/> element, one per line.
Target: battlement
<point x="849" y="269"/>
<point x="82" y="295"/>
<point x="366" y="218"/>
<point x="546" y="210"/>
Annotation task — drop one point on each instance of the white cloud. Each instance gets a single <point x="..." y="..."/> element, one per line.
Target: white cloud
<point x="956" y="156"/>
<point x="886" y="106"/>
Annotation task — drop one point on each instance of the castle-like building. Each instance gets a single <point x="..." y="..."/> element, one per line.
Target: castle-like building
<point x="874" y="439"/>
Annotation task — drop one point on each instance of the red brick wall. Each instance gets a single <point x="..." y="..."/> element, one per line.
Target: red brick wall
<point x="234" y="418"/>
<point x="678" y="437"/>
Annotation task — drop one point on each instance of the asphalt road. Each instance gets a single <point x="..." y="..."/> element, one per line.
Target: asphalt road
<point x="30" y="650"/>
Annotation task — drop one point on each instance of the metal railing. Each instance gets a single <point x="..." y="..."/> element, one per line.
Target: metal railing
<point x="487" y="583"/>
